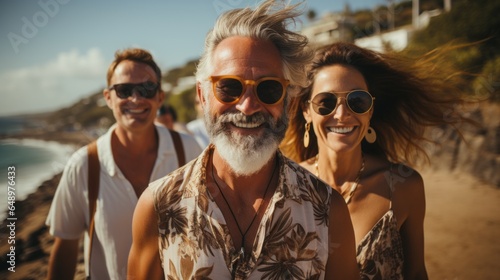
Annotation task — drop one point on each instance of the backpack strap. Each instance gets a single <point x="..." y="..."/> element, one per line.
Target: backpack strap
<point x="93" y="179"/>
<point x="93" y="190"/>
<point x="179" y="149"/>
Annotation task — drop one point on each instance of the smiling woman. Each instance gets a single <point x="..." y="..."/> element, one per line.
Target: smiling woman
<point x="368" y="112"/>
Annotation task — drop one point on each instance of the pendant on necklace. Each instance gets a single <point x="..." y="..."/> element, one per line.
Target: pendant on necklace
<point x="235" y="263"/>
<point x="241" y="255"/>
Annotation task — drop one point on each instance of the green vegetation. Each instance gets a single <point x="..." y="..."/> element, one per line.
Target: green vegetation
<point x="173" y="75"/>
<point x="367" y="22"/>
<point x="474" y="26"/>
<point x="183" y="102"/>
<point x="88" y="112"/>
<point x="488" y="83"/>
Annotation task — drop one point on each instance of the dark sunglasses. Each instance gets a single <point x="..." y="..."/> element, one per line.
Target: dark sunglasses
<point x="229" y="89"/>
<point x="358" y="101"/>
<point x="147" y="89"/>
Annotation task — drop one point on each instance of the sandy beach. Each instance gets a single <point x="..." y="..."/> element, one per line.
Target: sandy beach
<point x="461" y="227"/>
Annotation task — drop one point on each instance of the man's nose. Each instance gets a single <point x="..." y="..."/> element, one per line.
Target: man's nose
<point x="249" y="103"/>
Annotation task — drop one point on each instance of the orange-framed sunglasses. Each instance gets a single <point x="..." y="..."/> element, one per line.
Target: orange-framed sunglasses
<point x="228" y="89"/>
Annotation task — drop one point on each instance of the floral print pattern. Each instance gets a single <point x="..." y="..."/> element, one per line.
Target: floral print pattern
<point x="380" y="253"/>
<point x="194" y="240"/>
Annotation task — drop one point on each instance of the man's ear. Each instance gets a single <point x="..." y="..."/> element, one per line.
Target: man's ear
<point x="199" y="93"/>
<point x="107" y="96"/>
<point x="161" y="96"/>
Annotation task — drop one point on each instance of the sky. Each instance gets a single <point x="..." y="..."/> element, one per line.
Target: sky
<point x="56" y="52"/>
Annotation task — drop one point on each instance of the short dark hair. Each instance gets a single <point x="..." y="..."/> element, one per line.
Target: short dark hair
<point x="136" y="55"/>
<point x="167" y="109"/>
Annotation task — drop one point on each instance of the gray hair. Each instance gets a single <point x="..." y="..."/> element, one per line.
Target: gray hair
<point x="267" y="22"/>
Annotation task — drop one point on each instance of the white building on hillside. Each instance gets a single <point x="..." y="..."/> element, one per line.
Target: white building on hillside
<point x="184" y="83"/>
<point x="329" y="29"/>
<point x="396" y="39"/>
<point x="333" y="28"/>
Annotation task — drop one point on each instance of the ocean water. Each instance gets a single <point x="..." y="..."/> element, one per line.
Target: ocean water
<point x="10" y="125"/>
<point x="34" y="161"/>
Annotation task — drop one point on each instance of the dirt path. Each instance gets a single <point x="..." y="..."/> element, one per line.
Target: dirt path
<point x="462" y="227"/>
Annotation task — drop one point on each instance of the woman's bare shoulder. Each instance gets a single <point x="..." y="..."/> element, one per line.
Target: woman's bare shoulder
<point x="395" y="174"/>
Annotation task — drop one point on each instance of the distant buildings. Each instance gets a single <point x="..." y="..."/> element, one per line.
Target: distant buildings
<point x="396" y="40"/>
<point x="183" y="84"/>
<point x="329" y="29"/>
<point x="338" y="27"/>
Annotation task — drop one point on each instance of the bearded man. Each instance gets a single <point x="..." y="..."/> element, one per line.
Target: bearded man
<point x="242" y="210"/>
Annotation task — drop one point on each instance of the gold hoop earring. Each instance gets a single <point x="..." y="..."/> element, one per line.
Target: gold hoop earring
<point x="370" y="135"/>
<point x="306" y="135"/>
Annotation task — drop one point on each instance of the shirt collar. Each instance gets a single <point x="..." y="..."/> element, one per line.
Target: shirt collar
<point x="165" y="148"/>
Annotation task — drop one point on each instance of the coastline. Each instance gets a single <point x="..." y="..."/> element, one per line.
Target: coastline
<point x="75" y="138"/>
<point x="33" y="242"/>
<point x="31" y="175"/>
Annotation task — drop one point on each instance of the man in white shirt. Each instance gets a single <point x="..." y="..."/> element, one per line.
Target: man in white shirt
<point x="131" y="154"/>
<point x="197" y="127"/>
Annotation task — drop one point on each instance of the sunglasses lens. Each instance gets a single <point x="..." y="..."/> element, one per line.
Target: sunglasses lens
<point x="359" y="101"/>
<point x="270" y="91"/>
<point x="324" y="103"/>
<point x="146" y="90"/>
<point x="228" y="89"/>
<point x="123" y="90"/>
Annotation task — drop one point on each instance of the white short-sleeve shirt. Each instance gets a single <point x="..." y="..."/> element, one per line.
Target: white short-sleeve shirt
<point x="69" y="215"/>
<point x="198" y="129"/>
